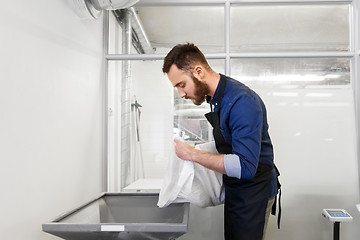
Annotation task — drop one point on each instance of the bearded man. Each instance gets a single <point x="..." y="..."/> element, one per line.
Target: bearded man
<point x="240" y="128"/>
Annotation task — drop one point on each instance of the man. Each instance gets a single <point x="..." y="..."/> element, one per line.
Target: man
<point x="241" y="136"/>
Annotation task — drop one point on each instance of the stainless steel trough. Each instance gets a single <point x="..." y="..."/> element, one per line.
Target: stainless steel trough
<point x="122" y="216"/>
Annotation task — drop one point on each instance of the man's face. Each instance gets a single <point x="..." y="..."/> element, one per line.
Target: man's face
<point x="187" y="85"/>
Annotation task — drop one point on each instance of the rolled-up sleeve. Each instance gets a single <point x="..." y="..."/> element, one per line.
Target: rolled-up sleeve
<point x="232" y="165"/>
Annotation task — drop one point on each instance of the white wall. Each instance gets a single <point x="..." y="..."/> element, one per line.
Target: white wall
<point x="51" y="122"/>
<point x="314" y="137"/>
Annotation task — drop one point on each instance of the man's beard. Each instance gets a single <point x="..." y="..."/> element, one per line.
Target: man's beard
<point x="201" y="90"/>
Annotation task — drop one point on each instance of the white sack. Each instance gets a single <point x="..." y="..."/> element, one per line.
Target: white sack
<point x="186" y="181"/>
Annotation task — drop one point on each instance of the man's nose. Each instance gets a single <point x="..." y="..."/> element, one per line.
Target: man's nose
<point x="182" y="93"/>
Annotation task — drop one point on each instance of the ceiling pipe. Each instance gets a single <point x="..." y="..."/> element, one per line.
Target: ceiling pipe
<point x="94" y="8"/>
<point x="125" y="114"/>
<point x="140" y="32"/>
<point x="140" y="40"/>
<point x="112" y="4"/>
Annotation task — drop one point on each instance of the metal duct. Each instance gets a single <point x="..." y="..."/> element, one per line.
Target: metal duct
<point x="140" y="40"/>
<point x="126" y="101"/>
<point x="112" y="4"/>
<point x="140" y="32"/>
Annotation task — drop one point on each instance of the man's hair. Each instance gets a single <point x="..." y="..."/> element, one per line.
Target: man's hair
<point x="184" y="56"/>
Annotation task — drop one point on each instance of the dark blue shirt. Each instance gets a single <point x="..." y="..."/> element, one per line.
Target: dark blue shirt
<point x="243" y="123"/>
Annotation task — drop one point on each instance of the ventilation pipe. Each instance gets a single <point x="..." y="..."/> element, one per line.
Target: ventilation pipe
<point x="139" y="38"/>
<point x="112" y="4"/>
<point x="138" y="28"/>
<point x="126" y="101"/>
<point x="94" y="8"/>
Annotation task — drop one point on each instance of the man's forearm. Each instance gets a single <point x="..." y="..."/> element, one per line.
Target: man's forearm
<point x="209" y="160"/>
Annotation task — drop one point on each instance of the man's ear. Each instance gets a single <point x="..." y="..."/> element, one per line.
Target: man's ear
<point x="198" y="72"/>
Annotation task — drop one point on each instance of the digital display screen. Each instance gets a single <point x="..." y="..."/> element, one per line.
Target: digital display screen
<point x="335" y="212"/>
<point x="337" y="215"/>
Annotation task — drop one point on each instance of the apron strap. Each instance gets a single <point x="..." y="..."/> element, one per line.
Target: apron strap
<point x="273" y="210"/>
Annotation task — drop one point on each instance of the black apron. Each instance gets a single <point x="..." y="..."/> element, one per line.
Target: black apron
<point x="245" y="200"/>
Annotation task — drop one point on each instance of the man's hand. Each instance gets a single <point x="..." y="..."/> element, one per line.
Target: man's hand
<point x="184" y="150"/>
<point x="209" y="160"/>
